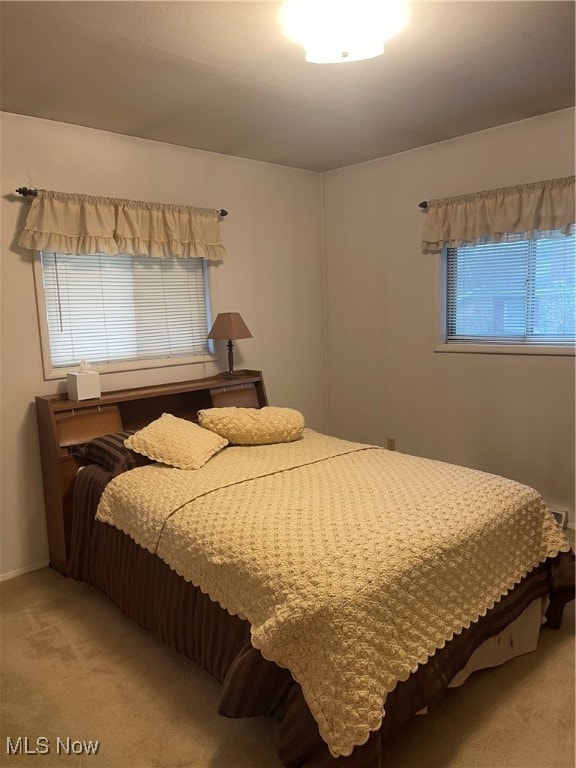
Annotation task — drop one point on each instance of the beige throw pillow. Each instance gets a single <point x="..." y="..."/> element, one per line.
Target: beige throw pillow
<point x="254" y="426"/>
<point x="177" y="442"/>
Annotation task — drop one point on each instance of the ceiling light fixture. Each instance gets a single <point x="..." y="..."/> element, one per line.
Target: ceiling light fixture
<point x="334" y="31"/>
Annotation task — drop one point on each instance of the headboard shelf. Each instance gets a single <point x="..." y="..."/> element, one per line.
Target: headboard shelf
<point x="219" y="382"/>
<point x="63" y="423"/>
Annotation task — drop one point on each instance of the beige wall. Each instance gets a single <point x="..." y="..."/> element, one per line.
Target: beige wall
<point x="508" y="414"/>
<point x="273" y="276"/>
<point x="513" y="415"/>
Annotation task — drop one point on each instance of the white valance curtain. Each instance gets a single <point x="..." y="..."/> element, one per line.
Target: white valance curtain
<point x="525" y="212"/>
<point x="80" y="224"/>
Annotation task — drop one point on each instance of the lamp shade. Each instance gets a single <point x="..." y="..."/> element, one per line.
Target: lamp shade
<point x="229" y="325"/>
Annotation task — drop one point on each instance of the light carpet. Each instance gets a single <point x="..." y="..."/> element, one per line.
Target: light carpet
<point x="73" y="667"/>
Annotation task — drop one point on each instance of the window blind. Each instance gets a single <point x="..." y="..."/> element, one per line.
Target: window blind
<point x="519" y="292"/>
<point x="117" y="308"/>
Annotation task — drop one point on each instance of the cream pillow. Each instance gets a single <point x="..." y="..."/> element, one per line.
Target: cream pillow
<point x="254" y="426"/>
<point x="176" y="442"/>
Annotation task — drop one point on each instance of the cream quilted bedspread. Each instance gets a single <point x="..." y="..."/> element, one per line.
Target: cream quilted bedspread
<point x="352" y="564"/>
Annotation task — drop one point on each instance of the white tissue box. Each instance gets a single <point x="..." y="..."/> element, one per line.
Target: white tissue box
<point x="83" y="386"/>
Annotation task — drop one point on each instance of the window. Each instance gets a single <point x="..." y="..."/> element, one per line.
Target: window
<point x="124" y="309"/>
<point x="514" y="293"/>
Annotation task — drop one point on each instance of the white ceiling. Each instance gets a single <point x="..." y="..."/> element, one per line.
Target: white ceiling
<point x="220" y="76"/>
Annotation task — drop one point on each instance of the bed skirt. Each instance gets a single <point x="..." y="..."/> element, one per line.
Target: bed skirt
<point x="159" y="600"/>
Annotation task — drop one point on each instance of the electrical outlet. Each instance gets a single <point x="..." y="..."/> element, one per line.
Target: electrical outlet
<point x="391" y="443"/>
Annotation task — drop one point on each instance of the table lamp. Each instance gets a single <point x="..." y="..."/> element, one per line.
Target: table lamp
<point x="229" y="325"/>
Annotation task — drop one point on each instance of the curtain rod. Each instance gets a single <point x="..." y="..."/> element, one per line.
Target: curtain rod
<point x="26" y="191"/>
<point x="423" y="205"/>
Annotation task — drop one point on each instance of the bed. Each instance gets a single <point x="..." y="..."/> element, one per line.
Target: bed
<point x="340" y="620"/>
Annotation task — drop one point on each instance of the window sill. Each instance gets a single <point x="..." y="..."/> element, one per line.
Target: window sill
<point x="507" y="349"/>
<point x="131" y="365"/>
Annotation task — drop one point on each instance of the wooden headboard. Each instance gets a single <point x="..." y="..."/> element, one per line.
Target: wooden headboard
<point x="63" y="423"/>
